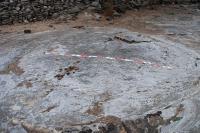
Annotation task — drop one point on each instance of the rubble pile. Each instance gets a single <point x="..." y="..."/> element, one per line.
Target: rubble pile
<point x="12" y="11"/>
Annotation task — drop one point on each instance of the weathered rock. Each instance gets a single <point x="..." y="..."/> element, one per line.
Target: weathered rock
<point x="20" y="11"/>
<point x="95" y="4"/>
<point x="86" y="130"/>
<point x="116" y="14"/>
<point x="12" y="11"/>
<point x="74" y="10"/>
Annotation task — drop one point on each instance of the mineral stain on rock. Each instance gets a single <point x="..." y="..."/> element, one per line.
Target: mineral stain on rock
<point x="71" y="69"/>
<point x="49" y="108"/>
<point x="27" y="84"/>
<point x="97" y="109"/>
<point x="66" y="71"/>
<point x="150" y="123"/>
<point x="13" y="67"/>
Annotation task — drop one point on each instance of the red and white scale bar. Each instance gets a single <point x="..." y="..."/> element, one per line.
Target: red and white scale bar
<point x="136" y="60"/>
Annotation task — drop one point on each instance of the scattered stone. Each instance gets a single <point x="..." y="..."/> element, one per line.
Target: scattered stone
<point x="55" y="15"/>
<point x="27" y="31"/>
<point x="29" y="11"/>
<point x="97" y="17"/>
<point x="79" y="27"/>
<point x="51" y="26"/>
<point x="71" y="130"/>
<point x="36" y="10"/>
<point x="131" y="38"/>
<point x="86" y="129"/>
<point x="61" y="18"/>
<point x="109" y="18"/>
<point x="74" y="10"/>
<point x="116" y="14"/>
<point x="95" y="4"/>
<point x="26" y="21"/>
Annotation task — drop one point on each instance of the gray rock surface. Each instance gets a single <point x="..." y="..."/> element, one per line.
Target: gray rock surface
<point x="101" y="76"/>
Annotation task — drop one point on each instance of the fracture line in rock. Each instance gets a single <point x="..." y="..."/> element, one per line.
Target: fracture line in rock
<point x="136" y="60"/>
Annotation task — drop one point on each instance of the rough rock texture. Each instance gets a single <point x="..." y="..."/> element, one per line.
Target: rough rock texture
<point x="141" y="83"/>
<point x="12" y="11"/>
<point x="33" y="10"/>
